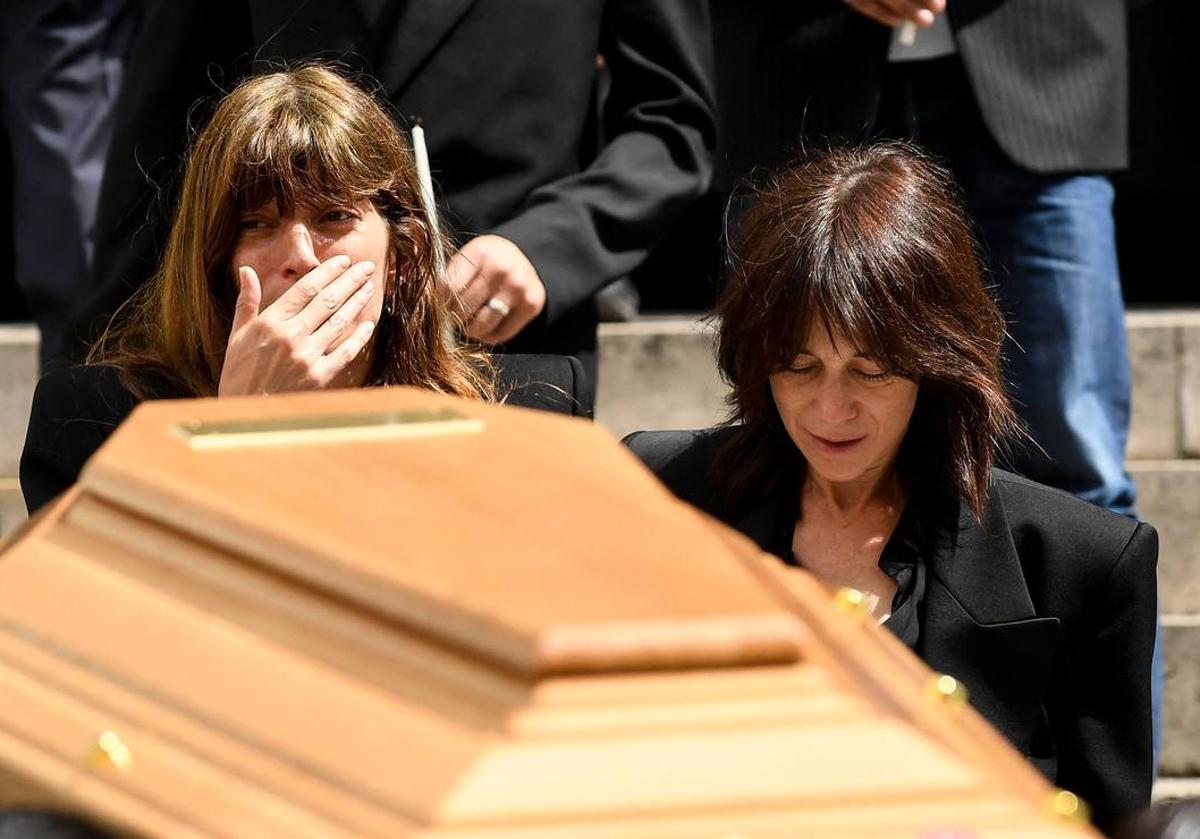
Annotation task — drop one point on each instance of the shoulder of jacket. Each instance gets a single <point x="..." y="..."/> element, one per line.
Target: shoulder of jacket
<point x="1058" y="518"/>
<point x="659" y="448"/>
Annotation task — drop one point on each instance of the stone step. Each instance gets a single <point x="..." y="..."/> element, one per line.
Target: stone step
<point x="1176" y="789"/>
<point x="1169" y="498"/>
<point x="12" y="506"/>
<point x="18" y="375"/>
<point x="1164" y="351"/>
<point x="1181" y="697"/>
<point x="658" y="373"/>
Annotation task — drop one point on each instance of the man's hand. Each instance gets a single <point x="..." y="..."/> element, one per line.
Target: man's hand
<point x="896" y="12"/>
<point x="494" y="289"/>
<point x="299" y="342"/>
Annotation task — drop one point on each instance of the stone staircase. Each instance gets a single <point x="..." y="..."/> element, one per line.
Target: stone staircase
<point x="659" y="373"/>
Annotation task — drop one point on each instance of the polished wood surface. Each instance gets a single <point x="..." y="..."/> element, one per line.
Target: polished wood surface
<point x="512" y="632"/>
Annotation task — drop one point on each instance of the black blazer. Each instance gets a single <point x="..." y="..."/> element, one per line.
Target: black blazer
<point x="75" y="409"/>
<point x="1045" y="610"/>
<point x="505" y="91"/>
<point x="1050" y="77"/>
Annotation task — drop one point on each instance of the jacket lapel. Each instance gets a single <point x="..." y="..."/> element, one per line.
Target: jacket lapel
<point x="421" y="29"/>
<point x="980" y="625"/>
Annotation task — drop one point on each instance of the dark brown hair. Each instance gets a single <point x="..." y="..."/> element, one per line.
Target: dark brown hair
<point x="305" y="133"/>
<point x="871" y="243"/>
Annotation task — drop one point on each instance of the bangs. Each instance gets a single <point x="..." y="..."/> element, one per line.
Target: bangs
<point x="848" y="301"/>
<point x="293" y="159"/>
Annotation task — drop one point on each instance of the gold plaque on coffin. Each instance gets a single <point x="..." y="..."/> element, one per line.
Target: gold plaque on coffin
<point x="495" y="626"/>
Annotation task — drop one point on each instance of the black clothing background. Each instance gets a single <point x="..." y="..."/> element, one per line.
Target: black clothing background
<point x="76" y="408"/>
<point x="1045" y="610"/>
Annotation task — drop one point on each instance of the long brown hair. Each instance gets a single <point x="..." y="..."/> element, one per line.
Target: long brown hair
<point x="872" y="243"/>
<point x="305" y="133"/>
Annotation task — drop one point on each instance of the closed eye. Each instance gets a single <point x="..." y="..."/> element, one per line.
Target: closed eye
<point x="872" y="377"/>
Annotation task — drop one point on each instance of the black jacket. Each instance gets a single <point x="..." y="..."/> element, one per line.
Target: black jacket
<point x="1050" y="77"/>
<point x="1045" y="610"/>
<point x="505" y="90"/>
<point x="75" y="409"/>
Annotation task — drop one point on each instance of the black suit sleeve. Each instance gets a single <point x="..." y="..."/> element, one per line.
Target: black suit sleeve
<point x="1102" y="727"/>
<point x="587" y="229"/>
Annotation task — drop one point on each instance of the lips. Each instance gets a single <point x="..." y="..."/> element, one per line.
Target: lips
<point x="835" y="446"/>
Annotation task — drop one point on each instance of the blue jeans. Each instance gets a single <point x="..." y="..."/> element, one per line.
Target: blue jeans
<point x="1051" y="243"/>
<point x="1049" y="247"/>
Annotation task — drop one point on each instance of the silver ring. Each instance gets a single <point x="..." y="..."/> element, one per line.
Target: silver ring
<point x="499" y="307"/>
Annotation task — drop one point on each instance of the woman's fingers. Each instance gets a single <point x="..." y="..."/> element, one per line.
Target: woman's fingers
<point x="464" y="283"/>
<point x="895" y="12"/>
<point x="504" y="292"/>
<point x="337" y="359"/>
<point x="305" y="290"/>
<point x="248" y="300"/>
<point x="270" y="353"/>
<point x="332" y="297"/>
<point x="335" y="326"/>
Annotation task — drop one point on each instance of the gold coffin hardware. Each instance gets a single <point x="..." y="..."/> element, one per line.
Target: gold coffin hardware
<point x="948" y="689"/>
<point x="1069" y="806"/>
<point x="852" y="602"/>
<point x="109" y="752"/>
<point x="326" y="428"/>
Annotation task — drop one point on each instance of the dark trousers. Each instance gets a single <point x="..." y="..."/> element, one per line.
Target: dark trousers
<point x="61" y="63"/>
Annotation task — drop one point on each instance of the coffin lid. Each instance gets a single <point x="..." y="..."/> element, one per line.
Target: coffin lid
<point x="361" y="493"/>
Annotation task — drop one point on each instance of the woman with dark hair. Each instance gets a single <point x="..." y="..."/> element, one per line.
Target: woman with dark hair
<point x="301" y="256"/>
<point x="863" y="353"/>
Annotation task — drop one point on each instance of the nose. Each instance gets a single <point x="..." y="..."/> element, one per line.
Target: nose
<point x="300" y="253"/>
<point x="835" y="402"/>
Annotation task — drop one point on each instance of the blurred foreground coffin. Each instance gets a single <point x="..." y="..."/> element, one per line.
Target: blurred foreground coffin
<point x="387" y="613"/>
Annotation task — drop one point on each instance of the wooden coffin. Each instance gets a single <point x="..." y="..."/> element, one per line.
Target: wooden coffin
<point x="387" y="613"/>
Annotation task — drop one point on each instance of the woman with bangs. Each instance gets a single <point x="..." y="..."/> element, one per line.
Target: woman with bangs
<point x="863" y="355"/>
<point x="301" y="257"/>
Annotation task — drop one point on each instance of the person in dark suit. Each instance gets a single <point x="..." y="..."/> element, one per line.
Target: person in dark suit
<point x="61" y="66"/>
<point x="301" y="257"/>
<point x="504" y="91"/>
<point x="867" y="407"/>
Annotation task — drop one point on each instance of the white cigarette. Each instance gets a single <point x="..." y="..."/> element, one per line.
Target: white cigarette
<point x="908" y="33"/>
<point x="421" y="153"/>
<point x="425" y="176"/>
